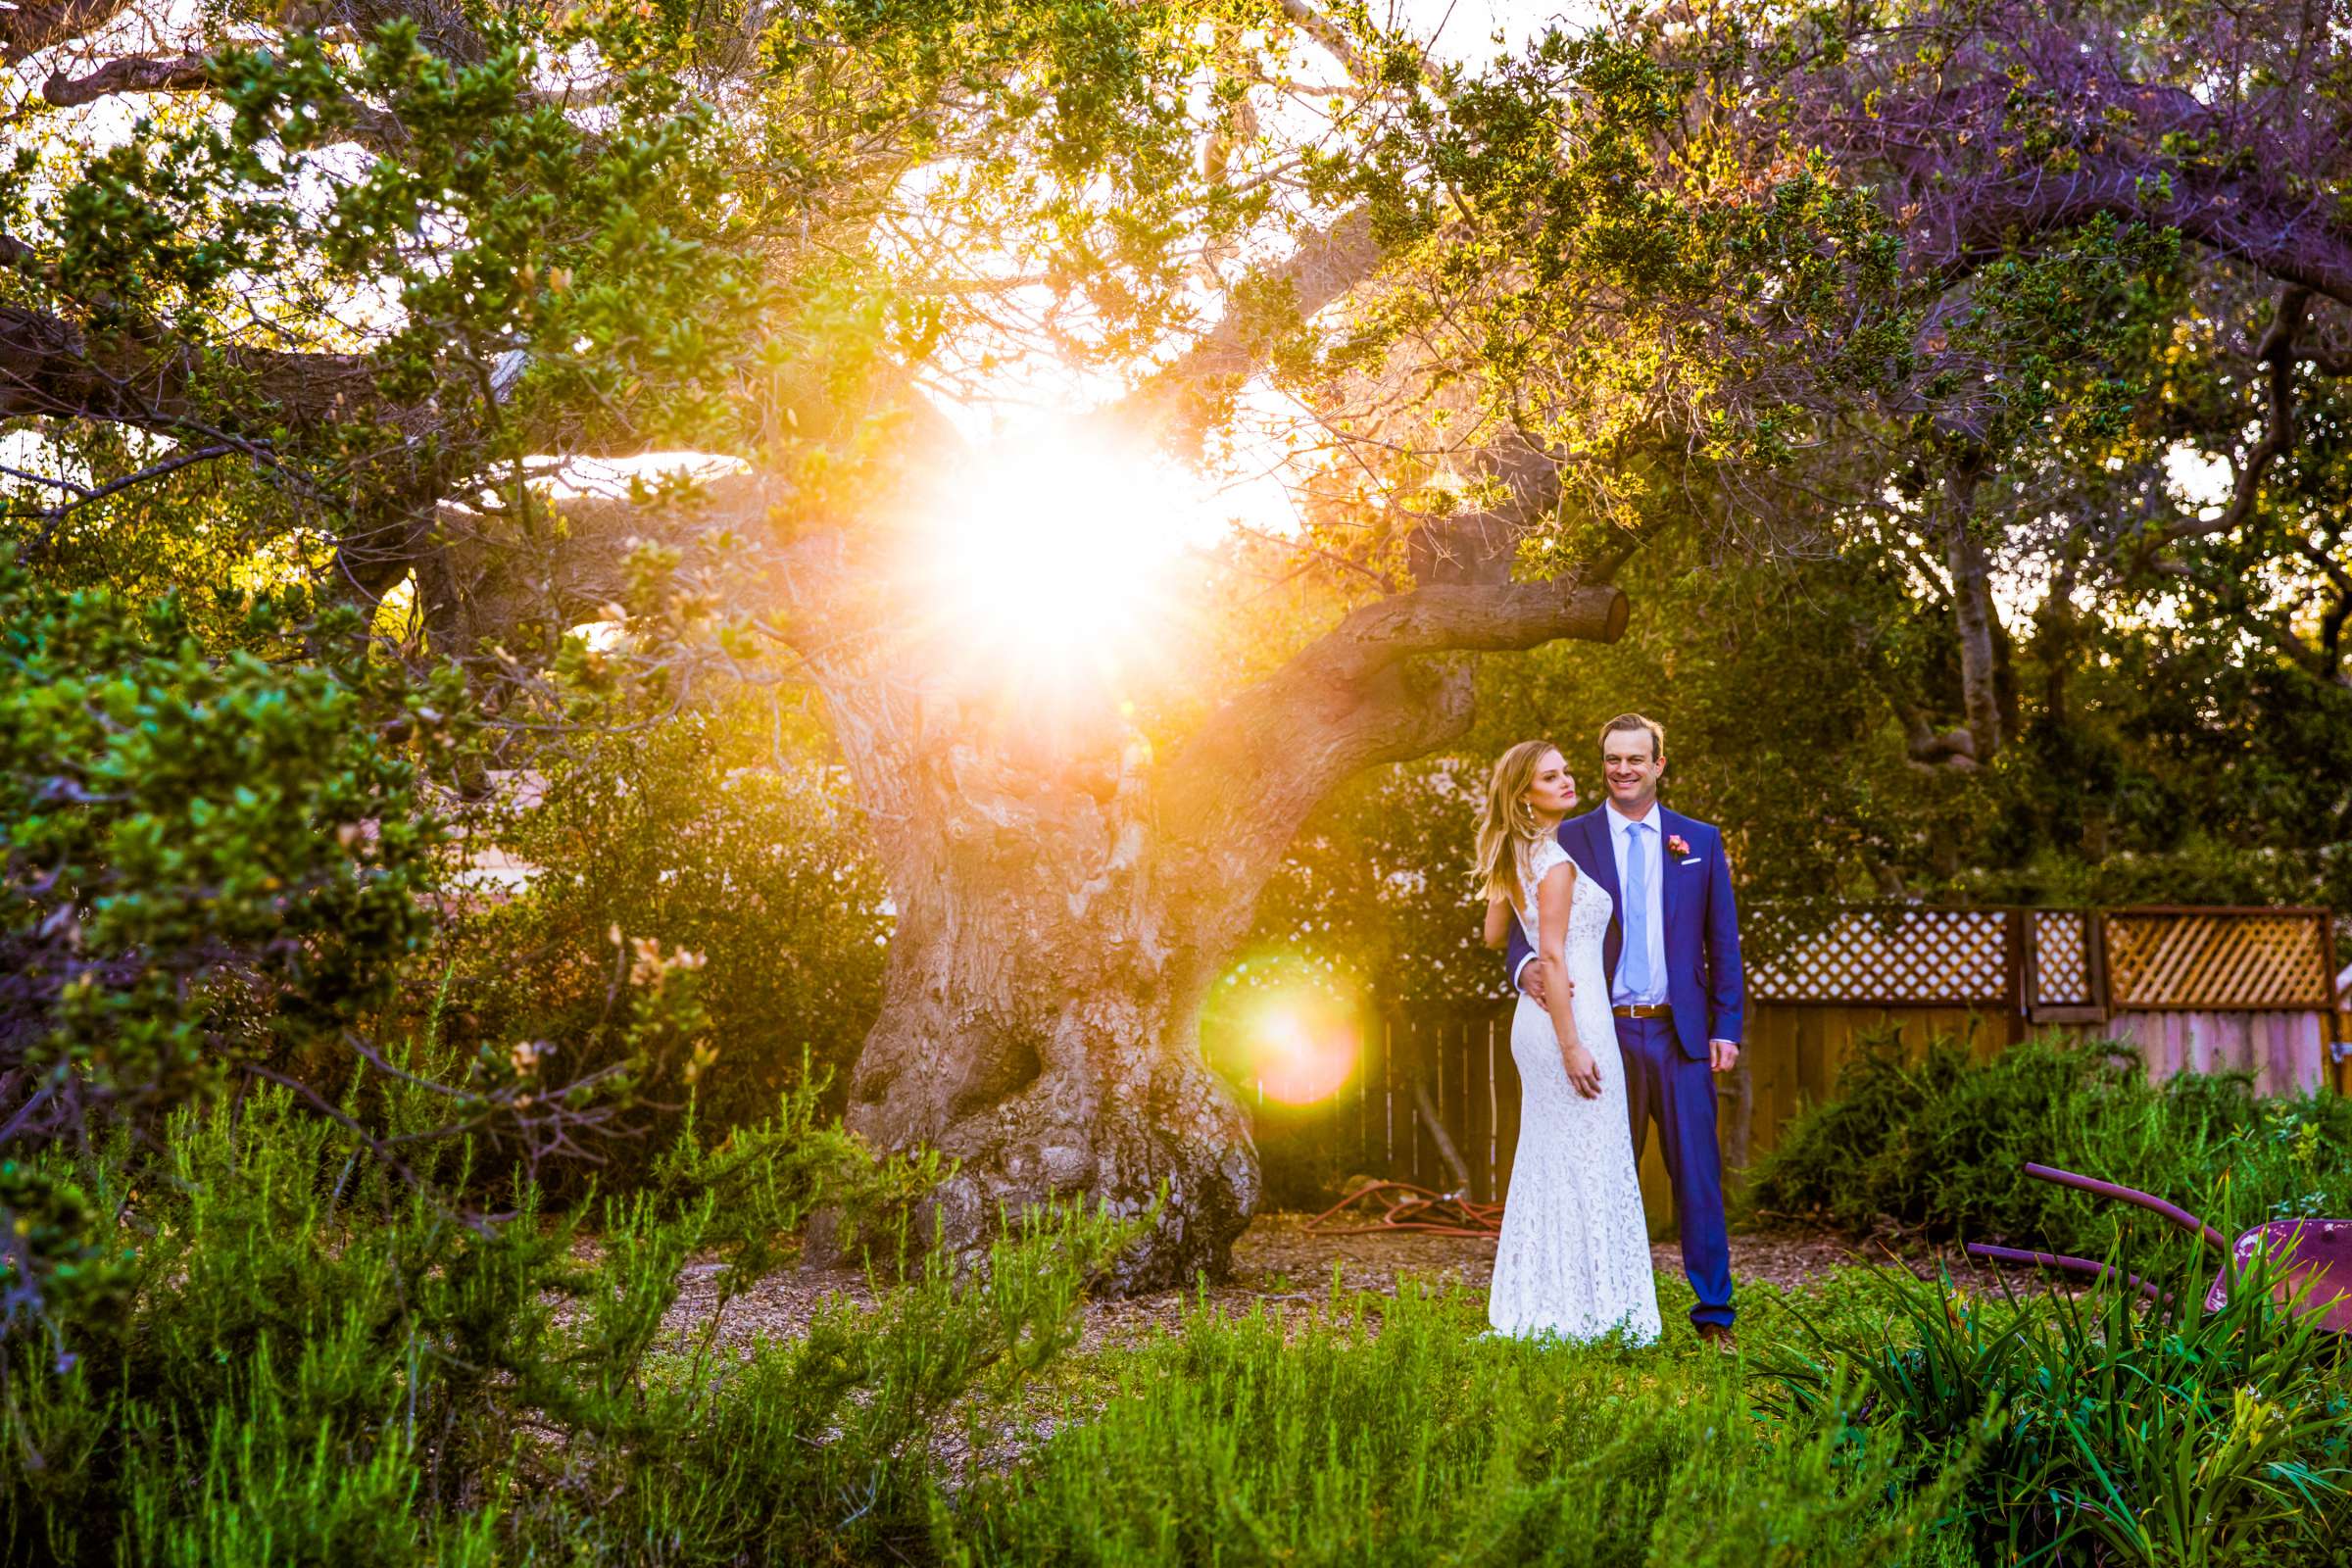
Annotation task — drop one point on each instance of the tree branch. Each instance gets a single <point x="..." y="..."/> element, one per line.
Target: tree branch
<point x="85" y="496"/>
<point x="1974" y="615"/>
<point x="51" y="369"/>
<point x="1361" y="694"/>
<point x="2291" y="240"/>
<point x="2328" y="659"/>
<point x="27" y="29"/>
<point x="1925" y="747"/>
<point x="365" y="125"/>
<point x="2278" y="353"/>
<point x="145" y="375"/>
<point x="131" y="74"/>
<point x="1480" y="546"/>
<point x="1444" y="618"/>
<point x="1327" y="264"/>
<point x="2235" y="177"/>
<point x="1323" y="31"/>
<point x="487" y="576"/>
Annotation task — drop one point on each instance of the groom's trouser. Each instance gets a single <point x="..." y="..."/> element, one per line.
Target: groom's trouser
<point x="1661" y="1082"/>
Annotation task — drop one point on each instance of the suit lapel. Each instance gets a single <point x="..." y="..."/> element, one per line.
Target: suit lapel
<point x="1669" y="885"/>
<point x="1592" y="849"/>
<point x="1598" y="858"/>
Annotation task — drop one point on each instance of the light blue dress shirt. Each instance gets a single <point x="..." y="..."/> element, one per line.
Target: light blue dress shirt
<point x="1653" y="909"/>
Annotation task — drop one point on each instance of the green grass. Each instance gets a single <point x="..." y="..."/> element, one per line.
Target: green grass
<point x="2099" y="1427"/>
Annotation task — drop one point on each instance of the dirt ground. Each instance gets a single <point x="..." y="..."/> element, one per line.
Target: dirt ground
<point x="1276" y="1260"/>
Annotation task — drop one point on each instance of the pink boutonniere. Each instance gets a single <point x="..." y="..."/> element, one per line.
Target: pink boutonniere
<point x="1678" y="845"/>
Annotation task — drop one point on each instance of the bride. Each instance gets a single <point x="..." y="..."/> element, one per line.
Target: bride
<point x="1573" y="1256"/>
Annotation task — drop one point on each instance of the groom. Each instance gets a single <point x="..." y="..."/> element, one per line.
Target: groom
<point x="1672" y="955"/>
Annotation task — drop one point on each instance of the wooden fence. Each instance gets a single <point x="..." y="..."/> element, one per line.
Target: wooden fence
<point x="2341" y="1019"/>
<point x="1435" y="1098"/>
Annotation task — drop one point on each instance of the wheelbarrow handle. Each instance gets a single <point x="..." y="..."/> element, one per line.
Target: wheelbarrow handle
<point x="2071" y="1265"/>
<point x="2132" y="1195"/>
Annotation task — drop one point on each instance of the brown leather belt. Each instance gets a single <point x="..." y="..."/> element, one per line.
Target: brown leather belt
<point x="1644" y="1011"/>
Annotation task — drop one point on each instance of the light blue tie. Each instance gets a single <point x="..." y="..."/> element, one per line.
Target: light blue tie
<point x="1636" y="967"/>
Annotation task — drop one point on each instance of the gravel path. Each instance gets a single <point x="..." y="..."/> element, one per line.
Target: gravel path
<point x="1278" y="1259"/>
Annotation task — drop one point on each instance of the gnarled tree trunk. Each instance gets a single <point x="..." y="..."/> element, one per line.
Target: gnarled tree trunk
<point x="1065" y="904"/>
<point x="1038" y="1020"/>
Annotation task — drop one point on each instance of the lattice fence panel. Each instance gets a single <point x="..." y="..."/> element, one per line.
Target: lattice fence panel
<point x="2062" y="959"/>
<point x="1955" y="957"/>
<point x="2215" y="960"/>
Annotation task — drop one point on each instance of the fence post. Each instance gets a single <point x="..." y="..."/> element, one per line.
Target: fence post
<point x="2323" y="937"/>
<point x="2014" y="936"/>
<point x="2094" y="954"/>
<point x="2339" y="1011"/>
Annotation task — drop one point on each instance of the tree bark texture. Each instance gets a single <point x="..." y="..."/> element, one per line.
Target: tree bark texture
<point x="1065" y="902"/>
<point x="1038" y="1019"/>
<point x="1974" y="615"/>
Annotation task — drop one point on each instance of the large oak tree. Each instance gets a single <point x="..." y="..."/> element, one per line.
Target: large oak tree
<point x="347" y="287"/>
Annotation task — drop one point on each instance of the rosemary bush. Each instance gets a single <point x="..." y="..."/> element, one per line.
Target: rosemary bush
<point x="1389" y="1430"/>
<point x="305" y="1360"/>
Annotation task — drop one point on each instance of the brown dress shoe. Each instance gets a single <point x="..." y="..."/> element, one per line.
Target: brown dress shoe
<point x="1719" y="1338"/>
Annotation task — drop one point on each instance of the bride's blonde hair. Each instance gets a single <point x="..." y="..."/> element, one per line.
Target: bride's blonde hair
<point x="1508" y="828"/>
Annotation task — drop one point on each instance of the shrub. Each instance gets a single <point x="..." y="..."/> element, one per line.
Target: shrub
<point x="315" y="1361"/>
<point x="217" y="870"/>
<point x="209" y="860"/>
<point x="702" y="834"/>
<point x="210" y="866"/>
<point x="1937" y="1143"/>
<point x="1389" y="1430"/>
<point x="819" y="1449"/>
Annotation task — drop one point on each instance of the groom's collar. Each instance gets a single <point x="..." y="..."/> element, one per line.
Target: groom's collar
<point x="1610" y="817"/>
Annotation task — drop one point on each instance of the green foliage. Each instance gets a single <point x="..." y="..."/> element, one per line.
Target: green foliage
<point x="2097" y="1426"/>
<point x="2205" y="777"/>
<point x="320" y="1363"/>
<point x="1935" y="1140"/>
<point x="267" y="1330"/>
<point x="1759" y="671"/>
<point x="189" y="836"/>
<point x="219" y="868"/>
<point x="1390" y="1430"/>
<point x="705" y="835"/>
<point x="1378" y="889"/>
<point x="495" y="229"/>
<point x="214" y="869"/>
<point x="2177" y="773"/>
<point x="817" y="1449"/>
<point x="1752" y="668"/>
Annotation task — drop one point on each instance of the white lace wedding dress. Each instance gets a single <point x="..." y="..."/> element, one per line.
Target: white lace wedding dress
<point x="1573" y="1256"/>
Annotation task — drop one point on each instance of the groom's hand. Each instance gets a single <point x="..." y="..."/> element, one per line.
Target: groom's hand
<point x="1721" y="1055"/>
<point x="1533" y="980"/>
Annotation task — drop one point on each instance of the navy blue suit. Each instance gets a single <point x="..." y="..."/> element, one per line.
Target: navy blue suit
<point x="1667" y="1076"/>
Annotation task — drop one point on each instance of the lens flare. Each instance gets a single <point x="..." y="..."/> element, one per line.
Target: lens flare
<point x="1286" y="1029"/>
<point x="1304" y="1057"/>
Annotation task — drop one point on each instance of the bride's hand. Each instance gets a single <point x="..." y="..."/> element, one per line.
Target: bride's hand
<point x="1584" y="1073"/>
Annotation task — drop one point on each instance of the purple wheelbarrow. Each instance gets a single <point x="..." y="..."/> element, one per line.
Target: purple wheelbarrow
<point x="2310" y="1259"/>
